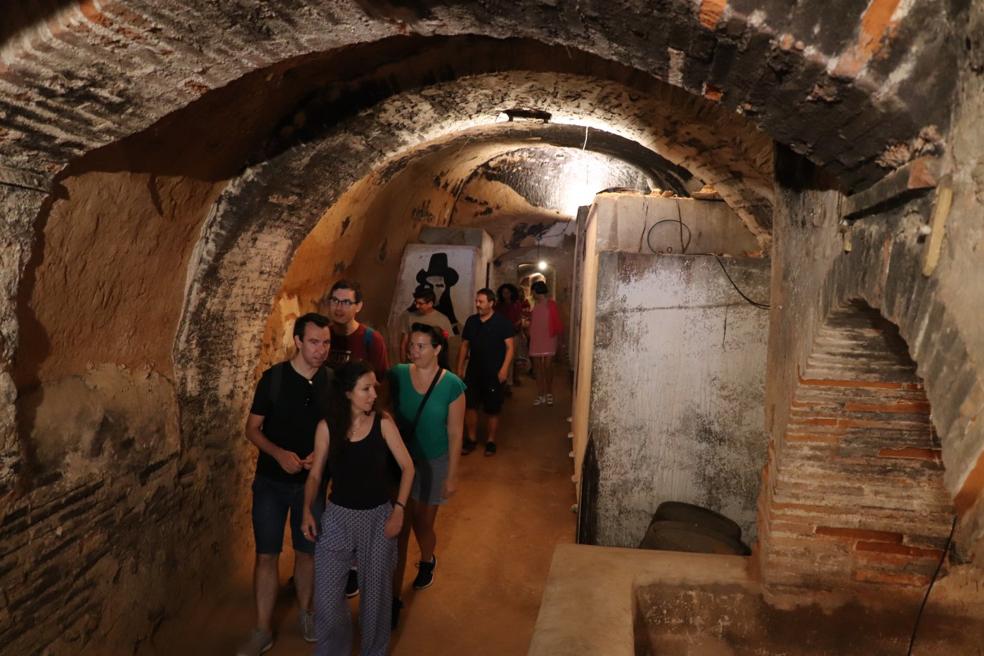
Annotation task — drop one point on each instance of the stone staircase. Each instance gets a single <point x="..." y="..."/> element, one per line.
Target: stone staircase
<point x="854" y="496"/>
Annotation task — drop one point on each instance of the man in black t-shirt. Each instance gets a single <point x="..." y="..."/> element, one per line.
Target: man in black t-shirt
<point x="487" y="346"/>
<point x="281" y="424"/>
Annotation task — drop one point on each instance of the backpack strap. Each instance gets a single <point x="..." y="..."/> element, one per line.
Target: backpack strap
<point x="367" y="342"/>
<point x="276" y="381"/>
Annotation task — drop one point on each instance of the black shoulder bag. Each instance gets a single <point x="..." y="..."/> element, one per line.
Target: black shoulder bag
<point x="407" y="431"/>
<point x="423" y="402"/>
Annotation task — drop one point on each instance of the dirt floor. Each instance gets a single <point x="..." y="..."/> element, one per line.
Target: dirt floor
<point x="495" y="542"/>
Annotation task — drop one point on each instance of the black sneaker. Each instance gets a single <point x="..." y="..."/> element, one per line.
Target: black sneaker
<point x="425" y="574"/>
<point x="395" y="617"/>
<point x="352" y="584"/>
<point x="467" y="446"/>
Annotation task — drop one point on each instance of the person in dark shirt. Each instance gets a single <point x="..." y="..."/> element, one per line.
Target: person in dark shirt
<point x="362" y="519"/>
<point x="281" y="423"/>
<point x="352" y="341"/>
<point x="487" y="348"/>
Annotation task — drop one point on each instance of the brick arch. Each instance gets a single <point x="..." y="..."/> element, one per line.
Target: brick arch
<point x="853" y="94"/>
<point x="854" y="492"/>
<point x="273" y="206"/>
<point x="859" y="97"/>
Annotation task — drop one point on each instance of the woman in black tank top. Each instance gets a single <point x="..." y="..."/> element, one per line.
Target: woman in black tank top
<point x="359" y="522"/>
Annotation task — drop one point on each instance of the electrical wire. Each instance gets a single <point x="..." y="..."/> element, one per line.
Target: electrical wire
<point x="761" y="306"/>
<point x="922" y="606"/>
<point x="669" y="249"/>
<point x="684" y="245"/>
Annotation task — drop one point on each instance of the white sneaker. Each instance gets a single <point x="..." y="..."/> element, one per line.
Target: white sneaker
<point x="539" y="400"/>
<point x="307" y="626"/>
<point x="549" y="399"/>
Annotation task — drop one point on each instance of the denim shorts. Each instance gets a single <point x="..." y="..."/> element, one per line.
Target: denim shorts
<point x="428" y="480"/>
<point x="272" y="502"/>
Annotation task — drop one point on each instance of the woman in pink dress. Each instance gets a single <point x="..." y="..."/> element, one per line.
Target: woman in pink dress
<point x="545" y="329"/>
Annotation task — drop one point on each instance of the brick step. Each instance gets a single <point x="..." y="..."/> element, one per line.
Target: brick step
<point x="848" y="420"/>
<point x="879" y="436"/>
<point x="915" y="491"/>
<point x="843" y="350"/>
<point x="908" y="463"/>
<point x="847" y="384"/>
<point x="806" y="491"/>
<point x="858" y="348"/>
<point x="860" y="373"/>
<point x="864" y="471"/>
<point x="857" y="362"/>
<point x="815" y="395"/>
<point x="890" y="448"/>
<point x="806" y="394"/>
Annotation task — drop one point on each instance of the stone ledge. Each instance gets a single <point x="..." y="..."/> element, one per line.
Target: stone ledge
<point x="587" y="605"/>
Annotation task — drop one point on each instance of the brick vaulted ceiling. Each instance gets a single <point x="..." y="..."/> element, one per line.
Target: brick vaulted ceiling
<point x="851" y="94"/>
<point x="334" y="89"/>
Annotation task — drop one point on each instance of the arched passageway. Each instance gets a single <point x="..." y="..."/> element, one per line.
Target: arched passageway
<point x="163" y="162"/>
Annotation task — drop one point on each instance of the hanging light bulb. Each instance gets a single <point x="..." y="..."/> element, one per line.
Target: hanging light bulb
<point x="541" y="264"/>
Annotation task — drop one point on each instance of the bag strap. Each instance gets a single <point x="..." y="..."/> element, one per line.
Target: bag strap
<point x="423" y="401"/>
<point x="276" y="380"/>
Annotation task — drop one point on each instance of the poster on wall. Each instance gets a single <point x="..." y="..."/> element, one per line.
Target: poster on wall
<point x="453" y="272"/>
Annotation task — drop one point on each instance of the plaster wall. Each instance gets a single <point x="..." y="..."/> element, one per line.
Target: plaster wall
<point x="677" y="388"/>
<point x="648" y="224"/>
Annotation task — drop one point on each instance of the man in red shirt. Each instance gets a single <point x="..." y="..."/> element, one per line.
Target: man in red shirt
<point x="351" y="340"/>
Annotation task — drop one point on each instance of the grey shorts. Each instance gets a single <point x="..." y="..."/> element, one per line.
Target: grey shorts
<point x="428" y="480"/>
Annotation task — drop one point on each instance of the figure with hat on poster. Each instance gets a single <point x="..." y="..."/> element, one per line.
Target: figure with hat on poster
<point x="441" y="278"/>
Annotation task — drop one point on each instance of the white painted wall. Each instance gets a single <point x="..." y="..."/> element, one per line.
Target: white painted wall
<point x="677" y="389"/>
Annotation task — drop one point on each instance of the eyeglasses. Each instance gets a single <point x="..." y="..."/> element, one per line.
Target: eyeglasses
<point x="344" y="302"/>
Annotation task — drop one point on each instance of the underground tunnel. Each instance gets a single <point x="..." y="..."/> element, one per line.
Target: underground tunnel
<point x="182" y="179"/>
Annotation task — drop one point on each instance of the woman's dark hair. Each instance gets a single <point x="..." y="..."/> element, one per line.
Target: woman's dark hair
<point x="338" y="408"/>
<point x="437" y="338"/>
<point x="513" y="291"/>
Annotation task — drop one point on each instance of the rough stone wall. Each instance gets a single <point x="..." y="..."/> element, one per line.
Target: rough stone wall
<point x="676" y="387"/>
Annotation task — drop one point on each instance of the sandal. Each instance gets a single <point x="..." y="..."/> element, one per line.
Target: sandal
<point x="490" y="448"/>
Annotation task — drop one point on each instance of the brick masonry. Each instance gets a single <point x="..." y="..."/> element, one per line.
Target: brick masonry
<point x="77" y="76"/>
<point x="854" y="492"/>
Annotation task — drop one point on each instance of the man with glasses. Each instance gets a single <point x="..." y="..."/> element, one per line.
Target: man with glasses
<point x="281" y="424"/>
<point x="424" y="312"/>
<point x="351" y="340"/>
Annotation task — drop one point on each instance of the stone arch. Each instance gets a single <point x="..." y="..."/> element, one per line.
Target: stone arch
<point x="303" y="181"/>
<point x="854" y="492"/>
<point x="806" y="83"/>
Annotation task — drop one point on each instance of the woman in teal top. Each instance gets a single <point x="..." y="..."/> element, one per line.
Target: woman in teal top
<point x="434" y="441"/>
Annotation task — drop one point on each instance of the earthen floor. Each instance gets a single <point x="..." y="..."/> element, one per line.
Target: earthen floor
<point x="495" y="542"/>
